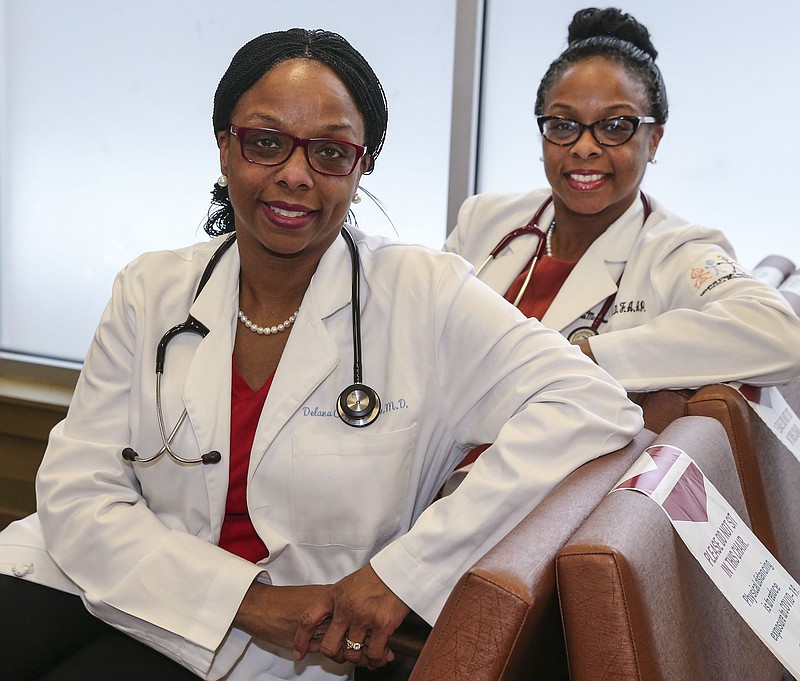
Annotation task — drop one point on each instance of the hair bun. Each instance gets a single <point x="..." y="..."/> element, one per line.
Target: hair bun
<point x="592" y="22"/>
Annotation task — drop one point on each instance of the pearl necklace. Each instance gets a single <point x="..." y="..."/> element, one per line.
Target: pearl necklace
<point x="267" y="330"/>
<point x="548" y="246"/>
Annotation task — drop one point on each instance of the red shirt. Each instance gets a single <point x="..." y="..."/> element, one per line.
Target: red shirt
<point x="548" y="277"/>
<point x="238" y="534"/>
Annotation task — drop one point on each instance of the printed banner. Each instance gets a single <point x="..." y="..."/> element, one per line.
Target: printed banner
<point x="772" y="409"/>
<point x="746" y="573"/>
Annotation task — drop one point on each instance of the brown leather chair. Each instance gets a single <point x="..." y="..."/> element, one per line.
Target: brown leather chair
<point x="662" y="407"/>
<point x="501" y="621"/>
<point x="768" y="472"/>
<point x="637" y="605"/>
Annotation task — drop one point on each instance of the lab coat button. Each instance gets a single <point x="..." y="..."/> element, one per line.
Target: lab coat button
<point x="22" y="571"/>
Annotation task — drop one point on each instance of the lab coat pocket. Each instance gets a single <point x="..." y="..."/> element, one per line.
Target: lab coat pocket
<point x="351" y="490"/>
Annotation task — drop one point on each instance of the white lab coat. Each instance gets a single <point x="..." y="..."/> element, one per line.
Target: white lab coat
<point x="454" y="367"/>
<point x="685" y="314"/>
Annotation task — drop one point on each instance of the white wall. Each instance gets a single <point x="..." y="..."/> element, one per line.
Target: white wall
<point x="107" y="146"/>
<point x="729" y="154"/>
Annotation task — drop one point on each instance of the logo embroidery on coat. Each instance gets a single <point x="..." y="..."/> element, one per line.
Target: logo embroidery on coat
<point x="715" y="272"/>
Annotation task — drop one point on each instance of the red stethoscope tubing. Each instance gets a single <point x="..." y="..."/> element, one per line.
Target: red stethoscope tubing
<point x="533" y="228"/>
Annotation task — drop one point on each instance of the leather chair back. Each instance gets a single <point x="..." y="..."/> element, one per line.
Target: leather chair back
<point x="501" y="622"/>
<point x="661" y="407"/>
<point x="768" y="472"/>
<point x="637" y="605"/>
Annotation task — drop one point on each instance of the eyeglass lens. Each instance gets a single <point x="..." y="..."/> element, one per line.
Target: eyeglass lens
<point x="271" y="147"/>
<point x="610" y="131"/>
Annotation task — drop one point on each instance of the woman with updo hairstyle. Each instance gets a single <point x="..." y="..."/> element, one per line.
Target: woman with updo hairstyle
<point x="242" y="487"/>
<point x="657" y="301"/>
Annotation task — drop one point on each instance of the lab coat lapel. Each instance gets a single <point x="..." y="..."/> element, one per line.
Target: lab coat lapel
<point x="207" y="389"/>
<point x="596" y="274"/>
<point x="590" y="282"/>
<point x="310" y="354"/>
<point x="501" y="272"/>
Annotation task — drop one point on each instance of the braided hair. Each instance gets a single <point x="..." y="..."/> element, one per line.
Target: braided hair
<point x="612" y="34"/>
<point x="263" y="53"/>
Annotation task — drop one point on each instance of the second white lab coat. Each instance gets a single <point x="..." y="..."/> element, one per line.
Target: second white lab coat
<point x="454" y="366"/>
<point x="685" y="314"/>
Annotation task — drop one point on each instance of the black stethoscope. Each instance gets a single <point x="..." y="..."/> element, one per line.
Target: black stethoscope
<point x="358" y="405"/>
<point x="532" y="227"/>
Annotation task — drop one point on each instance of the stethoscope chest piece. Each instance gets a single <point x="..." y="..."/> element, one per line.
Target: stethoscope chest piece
<point x="358" y="405"/>
<point x="581" y="333"/>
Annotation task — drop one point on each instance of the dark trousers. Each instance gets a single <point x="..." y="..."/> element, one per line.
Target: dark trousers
<point x="48" y="635"/>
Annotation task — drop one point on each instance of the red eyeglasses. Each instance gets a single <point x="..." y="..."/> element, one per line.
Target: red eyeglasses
<point x="268" y="147"/>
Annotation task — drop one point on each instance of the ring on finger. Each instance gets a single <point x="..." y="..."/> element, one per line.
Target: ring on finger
<point x="352" y="645"/>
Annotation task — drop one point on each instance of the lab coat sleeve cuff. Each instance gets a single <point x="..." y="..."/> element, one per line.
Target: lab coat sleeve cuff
<point x="610" y="354"/>
<point x="418" y="587"/>
<point x="210" y="647"/>
<point x="228" y="654"/>
<point x="23" y="554"/>
<point x="218" y="658"/>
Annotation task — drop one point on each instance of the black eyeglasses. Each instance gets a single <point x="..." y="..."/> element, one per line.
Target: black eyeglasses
<point x="609" y="132"/>
<point x="273" y="147"/>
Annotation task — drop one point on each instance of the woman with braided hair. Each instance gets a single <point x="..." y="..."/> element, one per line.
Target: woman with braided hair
<point x="254" y="509"/>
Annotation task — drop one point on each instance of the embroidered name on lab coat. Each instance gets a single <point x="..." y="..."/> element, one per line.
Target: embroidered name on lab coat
<point x="624" y="306"/>
<point x="316" y="411"/>
<point x="391" y="405"/>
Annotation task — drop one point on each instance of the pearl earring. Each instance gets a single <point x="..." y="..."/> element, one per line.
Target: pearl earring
<point x="222" y="181"/>
<point x="541" y="159"/>
<point x="356" y="198"/>
<point x="653" y="160"/>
